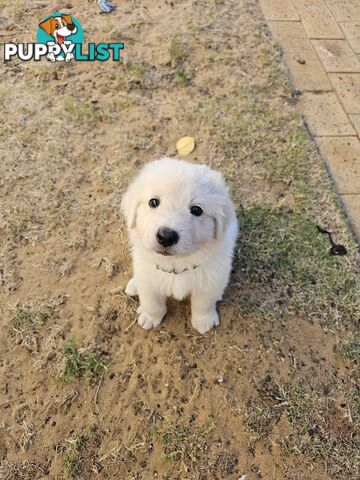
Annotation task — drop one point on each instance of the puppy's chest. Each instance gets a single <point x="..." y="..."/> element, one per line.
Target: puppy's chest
<point x="178" y="284"/>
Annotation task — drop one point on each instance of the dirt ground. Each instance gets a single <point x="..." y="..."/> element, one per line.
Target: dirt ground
<point x="273" y="393"/>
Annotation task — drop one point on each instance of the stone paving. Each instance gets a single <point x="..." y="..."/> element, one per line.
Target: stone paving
<point x="320" y="40"/>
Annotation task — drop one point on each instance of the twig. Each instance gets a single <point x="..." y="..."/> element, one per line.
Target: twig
<point x="129" y="326"/>
<point x="196" y="390"/>
<point x="117" y="447"/>
<point x="97" y="392"/>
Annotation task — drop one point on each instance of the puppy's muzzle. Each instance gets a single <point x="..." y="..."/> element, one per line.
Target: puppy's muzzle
<point x="167" y="237"/>
<point x="71" y="26"/>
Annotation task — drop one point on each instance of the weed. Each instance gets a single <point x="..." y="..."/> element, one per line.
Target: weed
<point x="177" y="50"/>
<point x="182" y="77"/>
<point x="72" y="457"/>
<point x="85" y="363"/>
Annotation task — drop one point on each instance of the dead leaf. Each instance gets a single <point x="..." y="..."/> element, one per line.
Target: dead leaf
<point x="185" y="145"/>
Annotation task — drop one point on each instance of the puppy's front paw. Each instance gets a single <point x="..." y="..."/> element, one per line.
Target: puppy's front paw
<point x="147" y="322"/>
<point x="203" y="322"/>
<point x="131" y="288"/>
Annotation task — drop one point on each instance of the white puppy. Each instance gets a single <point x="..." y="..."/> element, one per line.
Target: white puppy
<point x="182" y="227"/>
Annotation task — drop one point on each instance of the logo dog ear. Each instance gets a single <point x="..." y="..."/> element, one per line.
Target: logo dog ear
<point x="48" y="25"/>
<point x="129" y="205"/>
<point x="68" y="19"/>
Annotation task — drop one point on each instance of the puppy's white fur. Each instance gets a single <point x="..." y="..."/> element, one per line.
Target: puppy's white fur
<point x="199" y="264"/>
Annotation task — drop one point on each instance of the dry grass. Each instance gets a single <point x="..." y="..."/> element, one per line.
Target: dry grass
<point x="183" y="443"/>
<point x="26" y="320"/>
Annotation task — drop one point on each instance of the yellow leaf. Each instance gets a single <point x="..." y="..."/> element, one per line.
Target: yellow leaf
<point x="185" y="145"/>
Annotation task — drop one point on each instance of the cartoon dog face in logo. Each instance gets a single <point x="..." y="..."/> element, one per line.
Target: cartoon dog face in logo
<point x="59" y="27"/>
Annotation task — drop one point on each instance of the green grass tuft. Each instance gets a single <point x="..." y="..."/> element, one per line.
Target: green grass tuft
<point x="81" y="364"/>
<point x="72" y="457"/>
<point x="29" y="317"/>
<point x="182" y="77"/>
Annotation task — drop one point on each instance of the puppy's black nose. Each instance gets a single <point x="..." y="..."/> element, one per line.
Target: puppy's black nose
<point x="71" y="26"/>
<point x="167" y="237"/>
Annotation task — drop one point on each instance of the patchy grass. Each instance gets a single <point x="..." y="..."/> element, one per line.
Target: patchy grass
<point x="82" y="112"/>
<point x="25" y="322"/>
<point x="351" y="351"/>
<point x="320" y="431"/>
<point x="324" y="436"/>
<point x="27" y="469"/>
<point x="177" y="50"/>
<point x="81" y="364"/>
<point x="136" y="72"/>
<point x="28" y="316"/>
<point x="279" y="245"/>
<point x="22" y="224"/>
<point x="283" y="248"/>
<point x="80" y="458"/>
<point x="132" y="74"/>
<point x="183" y="443"/>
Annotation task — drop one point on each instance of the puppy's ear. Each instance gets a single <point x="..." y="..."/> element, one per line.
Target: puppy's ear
<point x="223" y="210"/>
<point x="129" y="205"/>
<point x="223" y="216"/>
<point x="48" y="25"/>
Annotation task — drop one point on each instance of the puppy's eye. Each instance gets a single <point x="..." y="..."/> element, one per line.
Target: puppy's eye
<point x="57" y="26"/>
<point x="196" y="210"/>
<point x="154" y="202"/>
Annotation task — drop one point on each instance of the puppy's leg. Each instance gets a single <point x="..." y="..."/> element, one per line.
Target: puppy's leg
<point x="131" y="288"/>
<point x="203" y="311"/>
<point x="152" y="307"/>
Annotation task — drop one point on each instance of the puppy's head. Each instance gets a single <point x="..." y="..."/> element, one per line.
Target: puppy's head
<point x="175" y="207"/>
